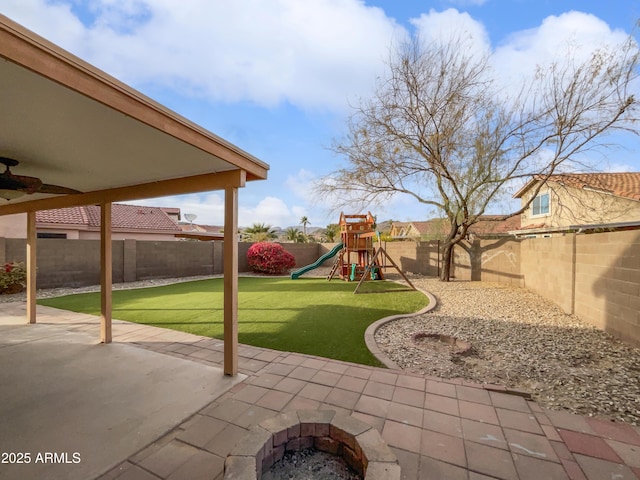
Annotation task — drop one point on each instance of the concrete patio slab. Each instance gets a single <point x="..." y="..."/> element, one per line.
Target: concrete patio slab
<point x="79" y="408"/>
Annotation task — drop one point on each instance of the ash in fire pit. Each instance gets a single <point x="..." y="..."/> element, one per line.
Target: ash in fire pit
<point x="442" y="343"/>
<point x="310" y="464"/>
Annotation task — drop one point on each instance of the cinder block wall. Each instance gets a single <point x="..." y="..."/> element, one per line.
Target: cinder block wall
<point x="304" y="253"/>
<point x="489" y="261"/>
<point x="66" y="263"/>
<point x="76" y="263"/>
<point x="415" y="257"/>
<point x="607" y="289"/>
<point x="324" y="248"/>
<point x="173" y="259"/>
<point x="595" y="276"/>
<point x="548" y="268"/>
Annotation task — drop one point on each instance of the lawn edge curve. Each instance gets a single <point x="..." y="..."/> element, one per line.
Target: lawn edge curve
<point x="369" y="334"/>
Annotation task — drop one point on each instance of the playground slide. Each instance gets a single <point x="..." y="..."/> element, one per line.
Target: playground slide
<point x="332" y="253"/>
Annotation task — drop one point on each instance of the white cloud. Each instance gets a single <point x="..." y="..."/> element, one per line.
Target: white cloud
<point x="209" y="209"/>
<point x="452" y="24"/>
<point x="575" y="33"/>
<point x="301" y="183"/>
<point x="314" y="54"/>
<point x="270" y="210"/>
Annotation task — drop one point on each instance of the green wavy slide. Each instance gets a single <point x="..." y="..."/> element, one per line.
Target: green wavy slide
<point x="332" y="253"/>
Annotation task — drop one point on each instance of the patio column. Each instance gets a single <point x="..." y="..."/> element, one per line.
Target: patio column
<point x="230" y="259"/>
<point x="31" y="267"/>
<point x="105" y="272"/>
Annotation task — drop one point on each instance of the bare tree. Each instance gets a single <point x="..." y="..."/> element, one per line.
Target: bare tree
<point x="440" y="129"/>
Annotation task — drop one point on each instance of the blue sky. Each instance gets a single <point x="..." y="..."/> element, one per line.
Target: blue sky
<point x="278" y="78"/>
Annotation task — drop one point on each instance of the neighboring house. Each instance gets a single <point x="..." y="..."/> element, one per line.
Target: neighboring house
<point x="571" y="200"/>
<point x="427" y="230"/>
<point x="194" y="231"/>
<point x="438" y="229"/>
<point x="489" y="226"/>
<point x="128" y="222"/>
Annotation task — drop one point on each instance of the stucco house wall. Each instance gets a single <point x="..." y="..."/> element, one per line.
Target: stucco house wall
<point x="13" y="226"/>
<point x="579" y="206"/>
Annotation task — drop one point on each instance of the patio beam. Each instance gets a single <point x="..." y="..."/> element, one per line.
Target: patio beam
<point x="32" y="239"/>
<point x="176" y="186"/>
<point x="230" y="259"/>
<point x="105" y="272"/>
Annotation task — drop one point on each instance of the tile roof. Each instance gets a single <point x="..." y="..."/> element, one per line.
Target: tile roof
<point x="489" y="224"/>
<point x="188" y="227"/>
<point x="625" y="184"/>
<point x="123" y="217"/>
<point x="66" y="216"/>
<point x="437" y="226"/>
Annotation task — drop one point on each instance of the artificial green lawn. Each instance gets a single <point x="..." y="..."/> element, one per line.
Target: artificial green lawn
<point x="308" y="315"/>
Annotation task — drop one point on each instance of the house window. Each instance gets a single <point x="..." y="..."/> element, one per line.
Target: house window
<point x="540" y="205"/>
<point x="51" y="235"/>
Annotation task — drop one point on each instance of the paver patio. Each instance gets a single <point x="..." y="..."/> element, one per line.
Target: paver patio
<point x="438" y="429"/>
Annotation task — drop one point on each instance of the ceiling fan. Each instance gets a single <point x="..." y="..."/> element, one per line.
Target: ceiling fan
<point x="14" y="186"/>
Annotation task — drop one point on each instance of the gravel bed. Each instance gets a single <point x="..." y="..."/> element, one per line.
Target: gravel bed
<point x="59" y="292"/>
<point x="524" y="341"/>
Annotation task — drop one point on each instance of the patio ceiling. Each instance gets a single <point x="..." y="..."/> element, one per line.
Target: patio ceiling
<point x="71" y="124"/>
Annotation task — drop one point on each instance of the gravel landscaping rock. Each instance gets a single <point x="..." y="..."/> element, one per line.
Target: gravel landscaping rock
<point x="59" y="292"/>
<point x="523" y="341"/>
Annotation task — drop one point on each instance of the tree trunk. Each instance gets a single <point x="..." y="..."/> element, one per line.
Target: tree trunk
<point x="447" y="256"/>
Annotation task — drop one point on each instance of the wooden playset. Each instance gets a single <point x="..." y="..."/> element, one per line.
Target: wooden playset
<point x="360" y="259"/>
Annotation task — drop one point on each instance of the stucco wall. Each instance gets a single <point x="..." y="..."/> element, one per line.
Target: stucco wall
<point x="572" y="206"/>
<point x="13" y="226"/>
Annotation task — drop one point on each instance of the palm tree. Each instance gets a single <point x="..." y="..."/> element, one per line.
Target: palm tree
<point x="294" y="235"/>
<point x="331" y="232"/>
<point x="304" y="221"/>
<point x="259" y="232"/>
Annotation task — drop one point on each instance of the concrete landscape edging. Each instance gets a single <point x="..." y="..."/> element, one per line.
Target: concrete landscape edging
<point x="370" y="332"/>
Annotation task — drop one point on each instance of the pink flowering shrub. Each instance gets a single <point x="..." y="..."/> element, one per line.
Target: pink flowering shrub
<point x="270" y="258"/>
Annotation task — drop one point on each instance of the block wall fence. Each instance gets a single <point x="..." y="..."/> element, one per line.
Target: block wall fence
<point x="595" y="276"/>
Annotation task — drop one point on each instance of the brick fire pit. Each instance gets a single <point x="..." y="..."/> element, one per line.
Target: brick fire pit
<point x="359" y="444"/>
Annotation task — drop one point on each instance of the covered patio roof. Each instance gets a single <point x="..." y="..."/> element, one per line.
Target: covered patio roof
<point x="70" y="124"/>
